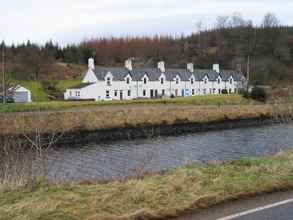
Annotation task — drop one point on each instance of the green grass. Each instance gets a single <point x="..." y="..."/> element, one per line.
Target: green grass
<point x="37" y="90"/>
<point x="164" y="195"/>
<point x="38" y="94"/>
<point x="63" y="105"/>
<point x="62" y="85"/>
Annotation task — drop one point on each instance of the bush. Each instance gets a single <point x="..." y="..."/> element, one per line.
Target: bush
<point x="259" y="94"/>
<point x="225" y="91"/>
<point x="245" y="94"/>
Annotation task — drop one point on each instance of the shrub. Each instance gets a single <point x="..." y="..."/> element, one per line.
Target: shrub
<point x="225" y="91"/>
<point x="259" y="94"/>
<point x="245" y="94"/>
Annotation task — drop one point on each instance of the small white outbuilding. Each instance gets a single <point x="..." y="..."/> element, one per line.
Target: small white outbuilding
<point x="21" y="95"/>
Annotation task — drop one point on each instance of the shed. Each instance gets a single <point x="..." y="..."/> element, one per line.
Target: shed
<point x="21" y="95"/>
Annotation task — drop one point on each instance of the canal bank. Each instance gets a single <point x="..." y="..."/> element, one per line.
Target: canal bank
<point x="164" y="195"/>
<point x="113" y="123"/>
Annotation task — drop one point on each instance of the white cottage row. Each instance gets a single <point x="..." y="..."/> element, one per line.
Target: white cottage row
<point x="132" y="83"/>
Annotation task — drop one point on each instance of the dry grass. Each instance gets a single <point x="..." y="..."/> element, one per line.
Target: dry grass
<point x="46" y="105"/>
<point x="121" y="116"/>
<point x="163" y="195"/>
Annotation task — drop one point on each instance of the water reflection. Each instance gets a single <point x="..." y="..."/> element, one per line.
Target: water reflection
<point x="124" y="158"/>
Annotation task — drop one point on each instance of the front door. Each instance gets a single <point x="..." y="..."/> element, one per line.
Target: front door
<point x="152" y="93"/>
<point x="182" y="93"/>
<point x="121" y="94"/>
<point x="156" y="94"/>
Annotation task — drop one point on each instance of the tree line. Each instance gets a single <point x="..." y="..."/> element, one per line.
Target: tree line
<point x="231" y="41"/>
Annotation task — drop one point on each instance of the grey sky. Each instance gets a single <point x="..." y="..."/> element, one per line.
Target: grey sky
<point x="67" y="21"/>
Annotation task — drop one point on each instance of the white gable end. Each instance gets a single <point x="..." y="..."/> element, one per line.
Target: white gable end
<point x="90" y="77"/>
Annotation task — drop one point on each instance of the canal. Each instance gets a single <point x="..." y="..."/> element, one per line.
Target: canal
<point x="98" y="161"/>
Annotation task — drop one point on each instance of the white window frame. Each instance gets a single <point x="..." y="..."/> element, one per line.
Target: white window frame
<point x="109" y="81"/>
<point x="107" y="94"/>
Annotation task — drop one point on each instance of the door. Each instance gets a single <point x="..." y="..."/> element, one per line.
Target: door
<point x="156" y="94"/>
<point x="182" y="93"/>
<point x="152" y="93"/>
<point x="121" y="94"/>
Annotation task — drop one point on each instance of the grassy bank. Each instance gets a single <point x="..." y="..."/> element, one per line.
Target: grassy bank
<point x="125" y="116"/>
<point x="63" y="105"/>
<point x="164" y="195"/>
<point x="39" y="94"/>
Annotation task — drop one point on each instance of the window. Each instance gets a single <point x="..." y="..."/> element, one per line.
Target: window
<point x="191" y="80"/>
<point x="177" y="81"/>
<point x="163" y="92"/>
<point x="144" y="92"/>
<point x="145" y="80"/>
<point x="107" y="94"/>
<point x="162" y="80"/>
<point x="193" y="92"/>
<point x="219" y="81"/>
<point x="127" y="80"/>
<point x="108" y="81"/>
<point x="70" y="93"/>
<point x="231" y="81"/>
<point x="176" y="92"/>
<point x="205" y="81"/>
<point x="115" y="93"/>
<point x="230" y="91"/>
<point x="77" y="93"/>
<point x="219" y="91"/>
<point x="129" y="92"/>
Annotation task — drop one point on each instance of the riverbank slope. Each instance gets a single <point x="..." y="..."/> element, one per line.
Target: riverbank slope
<point x="164" y="195"/>
<point x="116" y="119"/>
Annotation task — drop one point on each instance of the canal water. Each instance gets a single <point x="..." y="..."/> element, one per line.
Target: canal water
<point x="97" y="161"/>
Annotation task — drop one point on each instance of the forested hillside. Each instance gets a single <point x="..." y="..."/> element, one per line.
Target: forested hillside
<point x="230" y="42"/>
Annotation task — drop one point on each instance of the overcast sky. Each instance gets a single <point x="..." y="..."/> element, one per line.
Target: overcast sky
<point x="68" y="21"/>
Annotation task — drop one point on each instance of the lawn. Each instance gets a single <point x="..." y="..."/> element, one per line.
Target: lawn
<point x="63" y="105"/>
<point x="163" y="195"/>
<point x="38" y="92"/>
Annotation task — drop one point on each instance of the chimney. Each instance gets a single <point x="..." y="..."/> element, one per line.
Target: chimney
<point x="91" y="63"/>
<point x="128" y="64"/>
<point x="216" y="67"/>
<point x="190" y="67"/>
<point x="161" y="66"/>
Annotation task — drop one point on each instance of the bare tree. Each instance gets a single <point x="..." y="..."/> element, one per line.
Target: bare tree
<point x="222" y="22"/>
<point x="270" y="20"/>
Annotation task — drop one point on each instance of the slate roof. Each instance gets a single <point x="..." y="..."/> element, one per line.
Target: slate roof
<point x="81" y="85"/>
<point x="119" y="74"/>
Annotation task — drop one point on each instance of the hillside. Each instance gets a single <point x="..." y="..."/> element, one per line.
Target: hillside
<point x="230" y="43"/>
<point x="46" y="90"/>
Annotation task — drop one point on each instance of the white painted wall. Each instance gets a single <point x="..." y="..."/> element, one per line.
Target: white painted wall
<point x="116" y="90"/>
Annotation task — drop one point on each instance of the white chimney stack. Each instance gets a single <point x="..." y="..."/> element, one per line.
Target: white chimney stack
<point x="216" y="67"/>
<point x="161" y="66"/>
<point x="128" y="64"/>
<point x="190" y="67"/>
<point x="91" y="63"/>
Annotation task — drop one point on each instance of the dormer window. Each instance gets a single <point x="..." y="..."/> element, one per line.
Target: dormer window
<point x="162" y="80"/>
<point x="219" y="81"/>
<point x="205" y="81"/>
<point x="144" y="80"/>
<point x="177" y="80"/>
<point x="192" y="81"/>
<point x="127" y="80"/>
<point x="109" y="83"/>
<point x="231" y="80"/>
